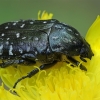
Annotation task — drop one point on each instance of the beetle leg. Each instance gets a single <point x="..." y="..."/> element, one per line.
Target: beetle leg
<point x="16" y="61"/>
<point x="7" y="63"/>
<point x="76" y="63"/>
<point x="25" y="59"/>
<point x="34" y="71"/>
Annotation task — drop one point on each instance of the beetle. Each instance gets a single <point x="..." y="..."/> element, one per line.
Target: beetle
<point x="45" y="41"/>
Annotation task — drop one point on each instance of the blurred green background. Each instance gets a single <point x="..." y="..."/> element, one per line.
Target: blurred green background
<point x="77" y="13"/>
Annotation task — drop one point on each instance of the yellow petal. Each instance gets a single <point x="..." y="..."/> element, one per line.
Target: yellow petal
<point x="93" y="36"/>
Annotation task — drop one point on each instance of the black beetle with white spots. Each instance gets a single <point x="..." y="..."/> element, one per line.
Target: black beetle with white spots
<point x="45" y="41"/>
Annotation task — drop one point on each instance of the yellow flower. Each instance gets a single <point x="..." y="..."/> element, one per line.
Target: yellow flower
<point x="61" y="82"/>
<point x="44" y="15"/>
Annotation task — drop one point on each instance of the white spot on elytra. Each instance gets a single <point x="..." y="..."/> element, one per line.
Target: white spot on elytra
<point x="8" y="38"/>
<point x="1" y="47"/>
<point x="23" y="37"/>
<point x="44" y="22"/>
<point x="69" y="29"/>
<point x="7" y="42"/>
<point x="14" y="23"/>
<point x="10" y="50"/>
<point x="20" y="50"/>
<point x="36" y="38"/>
<point x="54" y="37"/>
<point x="31" y="22"/>
<point x="6" y="27"/>
<point x="77" y="34"/>
<point x="2" y="34"/>
<point x="35" y="52"/>
<point x="74" y="42"/>
<point x="18" y="35"/>
<point x="22" y="25"/>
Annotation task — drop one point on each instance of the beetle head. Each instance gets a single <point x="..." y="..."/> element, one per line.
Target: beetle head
<point x="86" y="52"/>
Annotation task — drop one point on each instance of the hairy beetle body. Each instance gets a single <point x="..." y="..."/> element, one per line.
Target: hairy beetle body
<point x="42" y="40"/>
